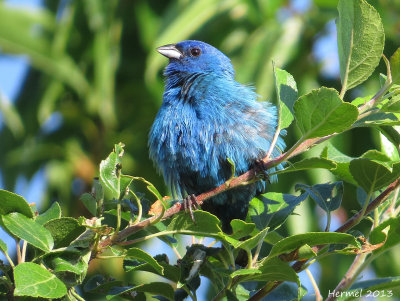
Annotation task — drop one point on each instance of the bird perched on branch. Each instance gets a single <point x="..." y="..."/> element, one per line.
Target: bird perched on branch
<point x="207" y="117"/>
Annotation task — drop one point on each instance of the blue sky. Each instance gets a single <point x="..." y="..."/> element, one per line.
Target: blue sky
<point x="13" y="69"/>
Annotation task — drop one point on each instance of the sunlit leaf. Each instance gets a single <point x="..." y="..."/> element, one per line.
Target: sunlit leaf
<point x="11" y="202"/>
<point x="395" y="66"/>
<point x="291" y="243"/>
<point x="309" y="163"/>
<point x="110" y="171"/>
<point x="272" y="209"/>
<point x="33" y="280"/>
<point x="206" y="223"/>
<point x="372" y="175"/>
<point x="321" y="112"/>
<point x="53" y="212"/>
<point x="27" y="229"/>
<point x="64" y="230"/>
<point x="143" y="256"/>
<point x="286" y="91"/>
<point x="392" y="237"/>
<point x="342" y="162"/>
<point x="361" y="39"/>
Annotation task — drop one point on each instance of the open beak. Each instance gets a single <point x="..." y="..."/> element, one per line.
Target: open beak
<point x="170" y="51"/>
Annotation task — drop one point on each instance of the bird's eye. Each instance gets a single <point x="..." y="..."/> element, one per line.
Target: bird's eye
<point x="195" y="51"/>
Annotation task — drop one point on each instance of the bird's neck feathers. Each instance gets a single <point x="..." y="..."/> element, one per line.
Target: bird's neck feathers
<point x="178" y="74"/>
<point x="197" y="88"/>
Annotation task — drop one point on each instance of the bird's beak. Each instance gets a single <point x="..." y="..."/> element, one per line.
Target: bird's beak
<point x="170" y="51"/>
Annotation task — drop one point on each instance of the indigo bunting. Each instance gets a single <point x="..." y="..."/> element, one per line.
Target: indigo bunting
<point x="205" y="118"/>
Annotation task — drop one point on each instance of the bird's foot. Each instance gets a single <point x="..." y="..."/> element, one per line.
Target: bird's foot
<point x="261" y="172"/>
<point x="190" y="203"/>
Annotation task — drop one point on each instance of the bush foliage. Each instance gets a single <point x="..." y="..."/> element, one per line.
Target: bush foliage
<point x="54" y="251"/>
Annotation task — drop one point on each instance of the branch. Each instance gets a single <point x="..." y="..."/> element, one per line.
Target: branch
<point x="350" y="223"/>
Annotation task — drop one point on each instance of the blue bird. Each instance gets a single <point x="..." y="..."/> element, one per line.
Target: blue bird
<point x="205" y="118"/>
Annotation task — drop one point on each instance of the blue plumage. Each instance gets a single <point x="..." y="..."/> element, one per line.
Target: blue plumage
<point x="205" y="118"/>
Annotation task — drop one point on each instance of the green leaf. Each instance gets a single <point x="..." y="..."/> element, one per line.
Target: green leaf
<point x="35" y="281"/>
<point x="11" y="202"/>
<point x="64" y="230"/>
<point x="64" y="265"/>
<point x="327" y="196"/>
<point x="390" y="142"/>
<point x="361" y="100"/>
<point x="291" y="243"/>
<point x="170" y="272"/>
<point x="376" y="155"/>
<point x="110" y="171"/>
<point x="247" y="244"/>
<point x="286" y="91"/>
<point x="392" y="237"/>
<point x="395" y="66"/>
<point x="342" y="162"/>
<point x="143" y="256"/>
<point x="273" y="237"/>
<point x="393" y="105"/>
<point x="321" y="112"/>
<point x="372" y="175"/>
<point x="239" y="294"/>
<point x="90" y="202"/>
<point x="53" y="212"/>
<point x="154" y="191"/>
<point x="69" y="265"/>
<point x="305" y="252"/>
<point x="241" y="228"/>
<point x="241" y="272"/>
<point x="27" y="229"/>
<point x="274" y="269"/>
<point x="272" y="209"/>
<point x="309" y="163"/>
<point x="206" y="223"/>
<point x="3" y="246"/>
<point x="361" y="40"/>
<point x="377" y="118"/>
<point x="125" y="181"/>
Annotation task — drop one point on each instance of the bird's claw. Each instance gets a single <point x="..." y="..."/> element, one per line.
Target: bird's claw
<point x="190" y="203"/>
<point x="261" y="172"/>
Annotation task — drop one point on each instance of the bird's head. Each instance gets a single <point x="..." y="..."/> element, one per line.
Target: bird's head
<point x="188" y="57"/>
